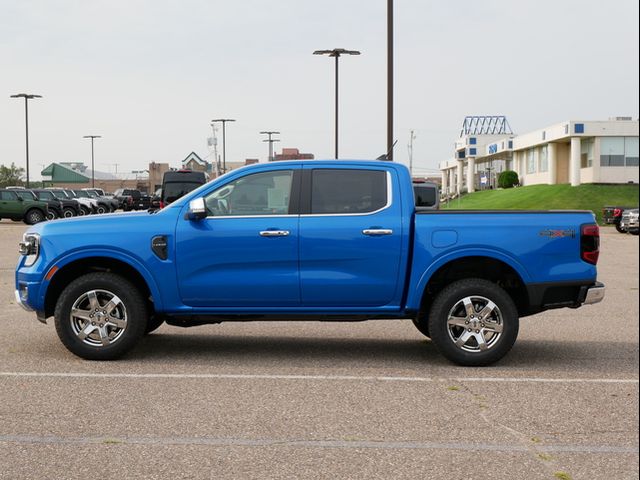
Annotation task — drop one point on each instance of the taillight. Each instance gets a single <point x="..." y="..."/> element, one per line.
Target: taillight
<point x="590" y="243"/>
<point x="161" y="204"/>
<point x="617" y="212"/>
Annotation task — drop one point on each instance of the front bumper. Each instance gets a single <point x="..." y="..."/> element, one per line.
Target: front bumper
<point x="20" y="301"/>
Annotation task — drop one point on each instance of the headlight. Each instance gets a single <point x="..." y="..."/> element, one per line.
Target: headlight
<point x="30" y="248"/>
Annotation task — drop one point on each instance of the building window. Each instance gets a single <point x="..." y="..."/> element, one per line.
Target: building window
<point x="612" y="152"/>
<point x="631" y="151"/>
<point x="510" y="143"/>
<point x="544" y="135"/>
<point x="472" y="140"/>
<point x="544" y="159"/>
<point x="586" y="153"/>
<point x="578" y="128"/>
<point x="531" y="161"/>
<point x="472" y="152"/>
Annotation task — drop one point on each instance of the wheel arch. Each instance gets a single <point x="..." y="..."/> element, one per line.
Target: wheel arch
<point x="77" y="267"/>
<point x="486" y="267"/>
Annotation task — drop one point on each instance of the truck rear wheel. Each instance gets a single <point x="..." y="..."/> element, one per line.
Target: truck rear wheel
<point x="473" y="322"/>
<point x="100" y="316"/>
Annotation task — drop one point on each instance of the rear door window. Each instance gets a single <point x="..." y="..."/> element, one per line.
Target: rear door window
<point x="344" y="191"/>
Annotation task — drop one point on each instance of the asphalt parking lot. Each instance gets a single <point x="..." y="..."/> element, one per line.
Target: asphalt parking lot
<point x="327" y="400"/>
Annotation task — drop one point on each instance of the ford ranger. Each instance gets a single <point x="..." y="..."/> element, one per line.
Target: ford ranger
<point x="323" y="240"/>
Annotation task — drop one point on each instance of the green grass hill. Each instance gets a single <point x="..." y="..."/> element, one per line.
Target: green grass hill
<point x="549" y="197"/>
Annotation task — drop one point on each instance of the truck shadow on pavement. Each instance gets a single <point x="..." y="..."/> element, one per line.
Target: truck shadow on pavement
<point x="611" y="358"/>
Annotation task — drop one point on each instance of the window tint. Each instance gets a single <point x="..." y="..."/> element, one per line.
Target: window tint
<point x="348" y="191"/>
<point x="258" y="194"/>
<point x="7" y="196"/>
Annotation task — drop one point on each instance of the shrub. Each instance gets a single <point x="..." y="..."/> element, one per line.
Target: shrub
<point x="508" y="179"/>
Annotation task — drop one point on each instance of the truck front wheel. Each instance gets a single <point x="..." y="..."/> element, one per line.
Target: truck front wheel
<point x="473" y="322"/>
<point x="100" y="316"/>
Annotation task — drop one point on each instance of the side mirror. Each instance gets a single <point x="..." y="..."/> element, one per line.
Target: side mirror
<point x="197" y="209"/>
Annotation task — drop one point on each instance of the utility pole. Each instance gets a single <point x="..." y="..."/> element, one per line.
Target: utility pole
<point x="27" y="97"/>
<point x="214" y="144"/>
<point x="390" y="80"/>
<point x="93" y="174"/>
<point x="336" y="52"/>
<point x="270" y="140"/>
<point x="224" y="141"/>
<point x="412" y="136"/>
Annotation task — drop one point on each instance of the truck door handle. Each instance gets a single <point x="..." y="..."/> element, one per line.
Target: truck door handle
<point x="377" y="231"/>
<point x="274" y="233"/>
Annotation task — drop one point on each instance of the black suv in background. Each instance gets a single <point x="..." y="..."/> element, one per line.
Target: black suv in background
<point x="131" y="199"/>
<point x="176" y="183"/>
<point x="70" y="208"/>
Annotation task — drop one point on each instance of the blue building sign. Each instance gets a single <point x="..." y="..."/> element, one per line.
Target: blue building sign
<point x="493" y="148"/>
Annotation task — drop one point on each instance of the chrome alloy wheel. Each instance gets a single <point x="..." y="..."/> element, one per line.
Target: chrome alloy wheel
<point x="475" y="324"/>
<point x="98" y="318"/>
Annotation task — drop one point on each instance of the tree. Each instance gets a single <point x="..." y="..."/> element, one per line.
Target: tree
<point x="11" y="175"/>
<point x="508" y="179"/>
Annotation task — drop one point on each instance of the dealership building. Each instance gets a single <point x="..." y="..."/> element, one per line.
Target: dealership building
<point x="572" y="152"/>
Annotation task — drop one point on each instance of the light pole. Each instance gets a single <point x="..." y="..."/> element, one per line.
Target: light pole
<point x="224" y="141"/>
<point x="336" y="52"/>
<point x="93" y="174"/>
<point x="390" y="80"/>
<point x="27" y="97"/>
<point x="270" y="140"/>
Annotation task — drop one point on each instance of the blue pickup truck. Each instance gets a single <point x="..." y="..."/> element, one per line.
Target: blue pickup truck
<point x="315" y="240"/>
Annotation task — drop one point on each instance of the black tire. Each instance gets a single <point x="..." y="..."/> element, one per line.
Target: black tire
<point x="120" y="337"/>
<point x="154" y="322"/>
<point x="52" y="215"/>
<point x="84" y="210"/>
<point x="619" y="228"/>
<point x="34" y="216"/>
<point x="497" y="330"/>
<point x="422" y="324"/>
<point x="102" y="209"/>
<point x="68" y="212"/>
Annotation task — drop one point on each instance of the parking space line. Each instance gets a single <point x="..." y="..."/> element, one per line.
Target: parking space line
<point x="267" y="442"/>
<point x="343" y="378"/>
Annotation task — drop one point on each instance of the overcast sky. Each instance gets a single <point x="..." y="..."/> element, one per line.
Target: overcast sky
<point x="149" y="75"/>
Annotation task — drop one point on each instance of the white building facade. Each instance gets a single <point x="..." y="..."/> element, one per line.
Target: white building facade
<point x="573" y="152"/>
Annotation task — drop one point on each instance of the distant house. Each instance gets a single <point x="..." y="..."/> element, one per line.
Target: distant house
<point x="195" y="163"/>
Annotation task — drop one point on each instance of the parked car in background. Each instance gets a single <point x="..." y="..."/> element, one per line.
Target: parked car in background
<point x="16" y="208"/>
<point x="176" y="183"/>
<point x="101" y="206"/>
<point x="53" y="204"/>
<point x="98" y="194"/>
<point x="156" y="199"/>
<point x="132" y="199"/>
<point x="612" y="215"/>
<point x="629" y="221"/>
<point x="70" y="208"/>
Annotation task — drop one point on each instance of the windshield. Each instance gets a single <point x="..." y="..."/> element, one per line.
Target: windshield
<point x="59" y="194"/>
<point x="81" y="194"/>
<point x="91" y="194"/>
<point x="46" y="195"/>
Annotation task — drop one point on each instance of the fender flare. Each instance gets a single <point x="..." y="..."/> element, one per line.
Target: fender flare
<point x="415" y="296"/>
<point x="136" y="264"/>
